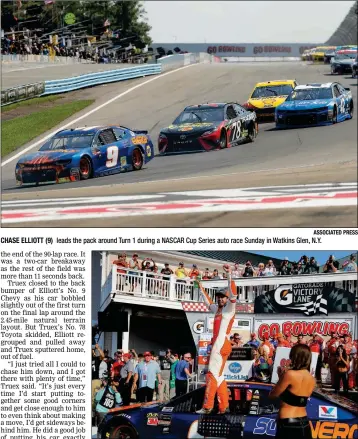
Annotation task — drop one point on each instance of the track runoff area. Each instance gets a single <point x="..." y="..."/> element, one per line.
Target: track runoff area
<point x="295" y="177"/>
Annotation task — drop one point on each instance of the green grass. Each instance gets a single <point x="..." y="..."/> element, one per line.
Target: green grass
<point x="30" y="102"/>
<point x="16" y="132"/>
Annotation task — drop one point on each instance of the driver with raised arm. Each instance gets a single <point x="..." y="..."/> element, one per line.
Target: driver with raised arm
<point x="221" y="346"/>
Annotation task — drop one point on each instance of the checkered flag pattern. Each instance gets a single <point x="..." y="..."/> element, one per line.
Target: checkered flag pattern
<point x="264" y="302"/>
<point x="194" y="307"/>
<point x="311" y="308"/>
<point x="339" y="301"/>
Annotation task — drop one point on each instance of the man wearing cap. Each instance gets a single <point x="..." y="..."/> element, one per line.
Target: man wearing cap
<point x="254" y="343"/>
<point x="288" y="339"/>
<point x="194" y="272"/>
<point x="146" y="374"/>
<point x="223" y="321"/>
<point x="126" y="378"/>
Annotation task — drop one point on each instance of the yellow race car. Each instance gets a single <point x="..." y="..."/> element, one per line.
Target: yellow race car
<point x="266" y="96"/>
<point x="318" y="54"/>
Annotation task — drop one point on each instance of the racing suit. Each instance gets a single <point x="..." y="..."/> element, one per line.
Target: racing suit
<point x="221" y="348"/>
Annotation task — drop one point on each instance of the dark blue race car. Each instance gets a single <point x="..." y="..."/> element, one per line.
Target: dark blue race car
<point x="315" y="104"/>
<point x="252" y="415"/>
<point x="86" y="152"/>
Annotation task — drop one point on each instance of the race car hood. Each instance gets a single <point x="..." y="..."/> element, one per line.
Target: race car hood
<point x="267" y="102"/>
<point x="191" y="127"/>
<point x="343" y="61"/>
<point x="44" y="157"/>
<point x="304" y="105"/>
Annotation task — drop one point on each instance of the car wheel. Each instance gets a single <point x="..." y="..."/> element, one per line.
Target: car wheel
<point x="223" y="140"/>
<point x="335" y="117"/>
<point x="252" y="132"/>
<point x="137" y="159"/>
<point x="351" y="110"/>
<point x="124" y="431"/>
<point x="85" y="168"/>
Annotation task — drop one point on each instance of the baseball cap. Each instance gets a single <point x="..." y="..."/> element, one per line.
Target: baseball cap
<point x="279" y="335"/>
<point x="253" y="334"/>
<point x="147" y="354"/>
<point x="135" y="254"/>
<point x="194" y="265"/>
<point x="127" y="355"/>
<point x="222" y="292"/>
<point x="167" y="263"/>
<point x="181" y="263"/>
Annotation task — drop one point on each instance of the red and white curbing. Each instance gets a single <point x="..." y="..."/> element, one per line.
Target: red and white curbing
<point x="121" y="209"/>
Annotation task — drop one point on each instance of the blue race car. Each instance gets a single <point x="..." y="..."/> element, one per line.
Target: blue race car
<point x="83" y="153"/>
<point x="315" y="104"/>
<point x="252" y="415"/>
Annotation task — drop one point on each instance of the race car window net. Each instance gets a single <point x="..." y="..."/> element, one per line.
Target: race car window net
<point x="107" y="136"/>
<point x="67" y="142"/>
<point x="269" y="91"/>
<point x="199" y="115"/>
<point x="310" y="94"/>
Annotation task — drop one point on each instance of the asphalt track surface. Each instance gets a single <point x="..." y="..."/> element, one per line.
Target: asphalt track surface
<point x="316" y="155"/>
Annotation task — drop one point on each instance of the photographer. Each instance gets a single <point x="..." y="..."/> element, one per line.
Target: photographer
<point x="311" y="267"/>
<point x="331" y="266"/>
<point x="107" y="398"/>
<point x="285" y="269"/>
<point x="248" y="271"/>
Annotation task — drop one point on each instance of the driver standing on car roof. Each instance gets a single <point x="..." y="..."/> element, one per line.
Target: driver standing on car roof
<point x="221" y="346"/>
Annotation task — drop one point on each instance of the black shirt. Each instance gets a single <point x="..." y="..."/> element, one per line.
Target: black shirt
<point x="96" y="361"/>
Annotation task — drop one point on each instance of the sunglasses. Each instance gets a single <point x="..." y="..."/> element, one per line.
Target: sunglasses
<point x="187" y="358"/>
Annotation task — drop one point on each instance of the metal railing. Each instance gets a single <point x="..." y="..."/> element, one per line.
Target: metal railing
<point x="91" y="79"/>
<point x="170" y="288"/>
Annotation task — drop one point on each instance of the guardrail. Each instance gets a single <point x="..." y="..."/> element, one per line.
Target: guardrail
<point x="91" y="79"/>
<point x="22" y="92"/>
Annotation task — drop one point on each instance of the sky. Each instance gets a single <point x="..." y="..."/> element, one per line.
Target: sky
<point x="321" y="256"/>
<point x="244" y="21"/>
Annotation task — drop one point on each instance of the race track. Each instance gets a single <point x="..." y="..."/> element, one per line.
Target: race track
<point x="317" y="155"/>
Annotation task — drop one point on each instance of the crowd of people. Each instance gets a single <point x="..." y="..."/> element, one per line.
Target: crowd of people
<point x="339" y="355"/>
<point x="26" y="43"/>
<point x="305" y="265"/>
<point x="130" y="377"/>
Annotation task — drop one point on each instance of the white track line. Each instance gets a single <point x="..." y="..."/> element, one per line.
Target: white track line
<point x="99" y="107"/>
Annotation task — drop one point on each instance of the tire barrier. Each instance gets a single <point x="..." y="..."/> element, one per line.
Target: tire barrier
<point x="346" y="33"/>
<point x="21" y="93"/>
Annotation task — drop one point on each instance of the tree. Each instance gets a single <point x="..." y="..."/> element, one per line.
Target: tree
<point x="129" y="17"/>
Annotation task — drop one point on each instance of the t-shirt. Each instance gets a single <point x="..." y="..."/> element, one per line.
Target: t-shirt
<point x="107" y="399"/>
<point x="128" y="367"/>
<point x="147" y="374"/>
<point x="179" y="370"/>
<point x="96" y="361"/>
<point x="165" y="366"/>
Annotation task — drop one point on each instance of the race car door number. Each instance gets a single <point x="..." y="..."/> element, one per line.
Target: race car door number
<point x="112" y="156"/>
<point x="236" y="130"/>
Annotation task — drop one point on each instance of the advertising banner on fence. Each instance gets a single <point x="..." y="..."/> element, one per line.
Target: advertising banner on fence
<point x="282" y="362"/>
<point x="323" y="327"/>
<point x="308" y="299"/>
